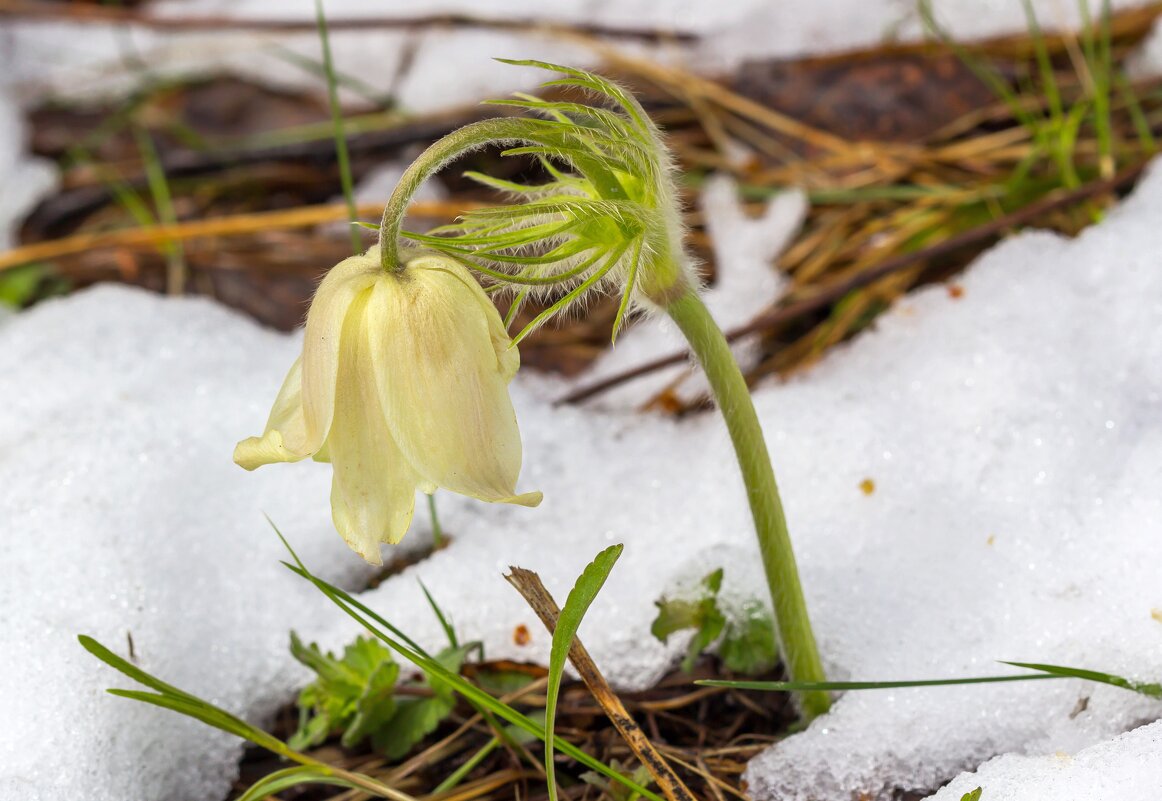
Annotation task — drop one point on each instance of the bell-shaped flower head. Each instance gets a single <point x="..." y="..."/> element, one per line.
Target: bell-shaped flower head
<point x="402" y="385"/>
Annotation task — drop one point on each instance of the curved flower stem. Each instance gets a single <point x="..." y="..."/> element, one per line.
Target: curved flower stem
<point x="470" y="137"/>
<point x="793" y="626"/>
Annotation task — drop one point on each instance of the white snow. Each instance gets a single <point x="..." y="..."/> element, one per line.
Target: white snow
<point x="25" y="180"/>
<point x="1146" y="62"/>
<point x="1126" y="768"/>
<point x="1012" y="434"/>
<point x="123" y="516"/>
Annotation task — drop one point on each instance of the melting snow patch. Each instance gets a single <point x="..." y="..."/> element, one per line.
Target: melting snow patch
<point x="25" y="180"/>
<point x="124" y="518"/>
<point x="1012" y="435"/>
<point x="1126" y="768"/>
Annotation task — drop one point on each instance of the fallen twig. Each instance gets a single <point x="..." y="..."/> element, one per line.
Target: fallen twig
<point x="95" y="14"/>
<point x="529" y="585"/>
<point x="234" y="224"/>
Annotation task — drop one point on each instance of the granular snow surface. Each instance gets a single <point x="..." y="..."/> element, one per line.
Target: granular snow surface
<point x="1012" y="434"/>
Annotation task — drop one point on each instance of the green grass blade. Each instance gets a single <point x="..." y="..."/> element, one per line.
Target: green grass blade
<point x="588" y="584"/>
<point x="337" y="121"/>
<point x="211" y="715"/>
<point x="514" y="308"/>
<point x="1137" y="116"/>
<point x="798" y="686"/>
<point x="449" y="632"/>
<point x="292" y="777"/>
<point x="176" y="271"/>
<point x="129" y="669"/>
<point x="301" y="569"/>
<point x="344" y="79"/>
<point x="986" y="73"/>
<point x="1151" y="690"/>
<point x="1044" y="63"/>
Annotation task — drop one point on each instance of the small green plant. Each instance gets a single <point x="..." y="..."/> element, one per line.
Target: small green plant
<point x="974" y="795"/>
<point x="747" y="644"/>
<point x="354" y="694"/>
<point x="361" y="695"/>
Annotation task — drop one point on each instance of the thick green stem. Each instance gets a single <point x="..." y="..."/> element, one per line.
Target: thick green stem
<point x="800" y="655"/>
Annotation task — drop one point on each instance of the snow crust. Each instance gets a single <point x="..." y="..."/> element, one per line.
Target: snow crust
<point x="122" y="516"/>
<point x="1126" y="768"/>
<point x="1012" y="434"/>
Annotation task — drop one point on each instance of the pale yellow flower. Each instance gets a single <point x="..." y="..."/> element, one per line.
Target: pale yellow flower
<point x="402" y="385"/>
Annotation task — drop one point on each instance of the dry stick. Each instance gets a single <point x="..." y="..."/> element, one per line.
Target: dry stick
<point x="831" y="294"/>
<point x="303" y="217"/>
<point x="529" y="585"/>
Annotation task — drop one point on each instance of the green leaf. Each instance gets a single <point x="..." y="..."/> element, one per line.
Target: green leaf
<point x="674" y="616"/>
<point x="416" y="718"/>
<point x="702" y="615"/>
<point x="375" y="706"/>
<point x="354" y="695"/>
<point x="973" y="795"/>
<point x="749" y="645"/>
<point x="589" y="583"/>
<point x="711" y="623"/>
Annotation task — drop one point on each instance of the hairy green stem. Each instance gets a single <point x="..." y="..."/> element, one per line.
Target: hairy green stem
<point x="800" y="655"/>
<point x="463" y="140"/>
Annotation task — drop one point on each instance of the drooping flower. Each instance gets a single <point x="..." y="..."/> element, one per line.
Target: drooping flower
<point x="402" y="385"/>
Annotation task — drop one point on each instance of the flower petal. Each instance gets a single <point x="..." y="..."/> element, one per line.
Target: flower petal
<point x="284" y="438"/>
<point x="443" y="380"/>
<point x="329" y="308"/>
<point x="373" y="489"/>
